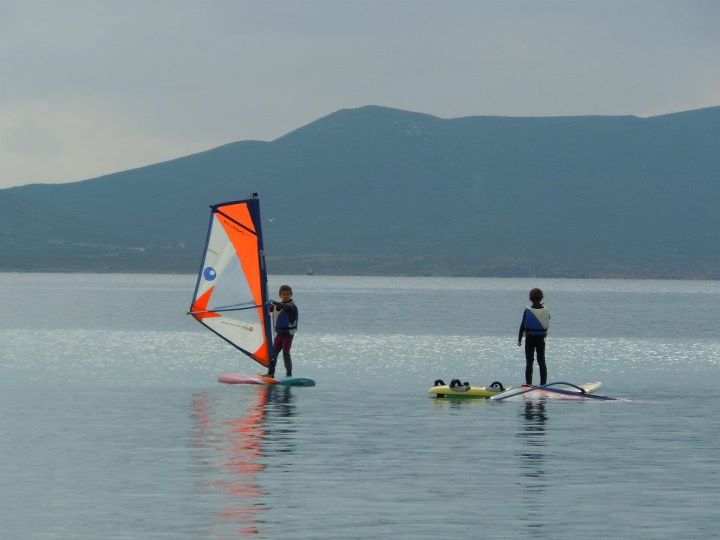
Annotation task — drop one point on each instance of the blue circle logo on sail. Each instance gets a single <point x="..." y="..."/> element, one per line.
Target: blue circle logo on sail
<point x="209" y="273"/>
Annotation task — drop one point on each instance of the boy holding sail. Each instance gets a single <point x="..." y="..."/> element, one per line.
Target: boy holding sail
<point x="285" y="315"/>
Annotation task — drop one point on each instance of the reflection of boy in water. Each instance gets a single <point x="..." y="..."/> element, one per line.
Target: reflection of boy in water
<point x="534" y="325"/>
<point x="285" y="314"/>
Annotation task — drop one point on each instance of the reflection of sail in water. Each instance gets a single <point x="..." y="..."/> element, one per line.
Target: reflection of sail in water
<point x="532" y="464"/>
<point x="242" y="442"/>
<point x="235" y="451"/>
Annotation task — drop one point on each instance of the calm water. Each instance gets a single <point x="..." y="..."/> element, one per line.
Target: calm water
<point x="113" y="426"/>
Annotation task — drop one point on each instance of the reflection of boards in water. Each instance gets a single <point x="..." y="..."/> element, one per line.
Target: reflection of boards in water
<point x="558" y="390"/>
<point x="238" y="378"/>
<point x="288" y="381"/>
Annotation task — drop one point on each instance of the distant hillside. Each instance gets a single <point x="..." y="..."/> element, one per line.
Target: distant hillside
<point x="383" y="191"/>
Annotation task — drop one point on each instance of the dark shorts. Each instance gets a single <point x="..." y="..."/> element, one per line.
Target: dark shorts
<point x="282" y="342"/>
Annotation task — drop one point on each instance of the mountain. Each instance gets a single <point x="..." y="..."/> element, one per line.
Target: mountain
<point x="384" y="191"/>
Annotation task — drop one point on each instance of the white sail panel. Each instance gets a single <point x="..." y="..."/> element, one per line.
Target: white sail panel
<point x="231" y="289"/>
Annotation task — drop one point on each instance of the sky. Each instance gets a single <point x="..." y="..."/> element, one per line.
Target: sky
<point x="93" y="87"/>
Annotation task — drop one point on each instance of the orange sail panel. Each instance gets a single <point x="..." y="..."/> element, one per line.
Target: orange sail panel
<point x="231" y="290"/>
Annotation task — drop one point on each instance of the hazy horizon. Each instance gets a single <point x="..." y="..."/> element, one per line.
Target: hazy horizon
<point x="91" y="89"/>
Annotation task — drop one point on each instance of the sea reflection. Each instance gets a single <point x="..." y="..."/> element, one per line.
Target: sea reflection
<point x="234" y="453"/>
<point x="532" y="431"/>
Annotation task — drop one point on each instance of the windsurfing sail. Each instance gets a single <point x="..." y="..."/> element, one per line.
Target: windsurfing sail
<point x="231" y="291"/>
<point x="558" y="389"/>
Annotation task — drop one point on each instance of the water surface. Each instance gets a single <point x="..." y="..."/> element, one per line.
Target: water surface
<point x="113" y="425"/>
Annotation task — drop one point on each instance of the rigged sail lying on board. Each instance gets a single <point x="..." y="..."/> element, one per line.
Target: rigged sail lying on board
<point x="231" y="291"/>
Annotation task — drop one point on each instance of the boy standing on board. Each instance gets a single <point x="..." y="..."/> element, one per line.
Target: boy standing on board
<point x="285" y="315"/>
<point x="534" y="325"/>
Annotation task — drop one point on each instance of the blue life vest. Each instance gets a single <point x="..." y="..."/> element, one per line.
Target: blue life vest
<point x="286" y="317"/>
<point x="536" y="321"/>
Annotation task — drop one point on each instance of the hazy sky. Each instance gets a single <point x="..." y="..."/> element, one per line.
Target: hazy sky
<point x="93" y="87"/>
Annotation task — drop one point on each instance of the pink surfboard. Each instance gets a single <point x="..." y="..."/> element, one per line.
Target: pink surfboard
<point x="238" y="378"/>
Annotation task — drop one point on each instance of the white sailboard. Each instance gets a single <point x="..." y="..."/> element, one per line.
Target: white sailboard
<point x="557" y="390"/>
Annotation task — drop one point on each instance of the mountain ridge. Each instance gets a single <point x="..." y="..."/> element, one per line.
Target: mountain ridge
<point x="381" y="190"/>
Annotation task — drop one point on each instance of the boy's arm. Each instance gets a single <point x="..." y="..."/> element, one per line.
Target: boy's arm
<point x="522" y="329"/>
<point x="281" y="306"/>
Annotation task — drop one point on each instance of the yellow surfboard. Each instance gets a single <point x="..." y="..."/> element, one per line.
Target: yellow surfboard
<point x="483" y="392"/>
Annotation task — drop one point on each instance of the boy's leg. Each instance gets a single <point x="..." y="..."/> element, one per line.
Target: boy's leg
<point x="287" y="343"/>
<point x="541" y="360"/>
<point x="529" y="353"/>
<point x="277" y="345"/>
<point x="288" y="363"/>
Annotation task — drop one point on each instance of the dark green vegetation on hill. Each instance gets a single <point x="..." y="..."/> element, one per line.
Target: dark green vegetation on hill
<point x="383" y="191"/>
